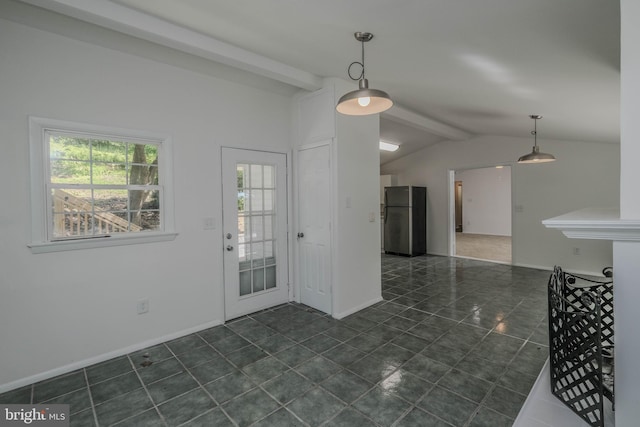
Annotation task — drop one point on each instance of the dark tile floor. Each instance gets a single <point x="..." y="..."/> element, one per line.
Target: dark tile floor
<point x="456" y="342"/>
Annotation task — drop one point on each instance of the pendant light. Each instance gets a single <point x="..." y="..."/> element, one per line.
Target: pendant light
<point x="363" y="101"/>
<point x="536" y="156"/>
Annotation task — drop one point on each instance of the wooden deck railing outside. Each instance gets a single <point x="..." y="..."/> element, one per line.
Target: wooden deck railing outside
<point x="73" y="217"/>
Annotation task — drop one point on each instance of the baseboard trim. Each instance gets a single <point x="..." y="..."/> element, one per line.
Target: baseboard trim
<point x="358" y="308"/>
<point x="103" y="357"/>
<point x="567" y="270"/>
<point x="482" y="259"/>
<point x="537" y="267"/>
<point x="438" y="254"/>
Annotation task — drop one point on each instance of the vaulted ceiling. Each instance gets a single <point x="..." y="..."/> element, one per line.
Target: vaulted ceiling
<point x="453" y="67"/>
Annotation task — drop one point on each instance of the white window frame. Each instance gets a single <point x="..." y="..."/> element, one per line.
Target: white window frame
<point x="39" y="160"/>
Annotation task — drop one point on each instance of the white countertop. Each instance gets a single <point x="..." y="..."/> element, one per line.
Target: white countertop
<point x="596" y="223"/>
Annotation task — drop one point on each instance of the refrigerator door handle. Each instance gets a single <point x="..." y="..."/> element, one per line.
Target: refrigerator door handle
<point x="385" y="214"/>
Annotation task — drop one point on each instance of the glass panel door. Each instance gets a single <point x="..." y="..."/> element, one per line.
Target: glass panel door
<point x="255" y="222"/>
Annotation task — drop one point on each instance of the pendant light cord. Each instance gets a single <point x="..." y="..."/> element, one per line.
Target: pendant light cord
<point x="534" y="132"/>
<point x="361" y="76"/>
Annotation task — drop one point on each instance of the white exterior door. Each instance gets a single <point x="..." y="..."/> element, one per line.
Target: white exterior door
<point x="314" y="235"/>
<point x="254" y="192"/>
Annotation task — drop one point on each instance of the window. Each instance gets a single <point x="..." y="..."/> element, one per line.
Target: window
<point x="95" y="186"/>
<point x="256" y="227"/>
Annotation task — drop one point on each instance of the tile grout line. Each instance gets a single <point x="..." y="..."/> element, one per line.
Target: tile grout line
<point x="200" y="385"/>
<point x="259" y="386"/>
<point x="93" y="406"/>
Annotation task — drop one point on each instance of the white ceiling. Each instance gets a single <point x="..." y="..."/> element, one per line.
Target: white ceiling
<point x="478" y="66"/>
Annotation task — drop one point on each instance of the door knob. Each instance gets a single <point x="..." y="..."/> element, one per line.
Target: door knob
<point x="229" y="248"/>
<point x="228" y="236"/>
<point x="300" y="235"/>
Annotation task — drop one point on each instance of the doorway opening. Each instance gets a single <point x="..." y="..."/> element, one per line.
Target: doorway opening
<point x="481" y="214"/>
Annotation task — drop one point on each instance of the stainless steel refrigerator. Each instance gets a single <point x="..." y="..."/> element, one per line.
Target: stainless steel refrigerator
<point x="405" y="220"/>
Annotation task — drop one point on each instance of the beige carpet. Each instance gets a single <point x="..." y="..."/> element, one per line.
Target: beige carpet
<point x="481" y="246"/>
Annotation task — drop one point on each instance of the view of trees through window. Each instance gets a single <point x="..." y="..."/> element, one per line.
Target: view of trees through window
<point x="102" y="186"/>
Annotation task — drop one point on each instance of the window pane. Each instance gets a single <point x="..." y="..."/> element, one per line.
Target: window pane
<point x="150" y="220"/>
<point x="71" y="213"/>
<point x="110" y="200"/>
<point x="109" y="174"/>
<point x="242" y="202"/>
<point x="108" y="159"/>
<point x="256" y="176"/>
<point x="72" y="224"/>
<point x="257" y="254"/>
<point x="269" y="253"/>
<point x="70" y="148"/>
<point x="268" y="226"/>
<point x="242" y="171"/>
<point x="142" y="154"/>
<point x="106" y="151"/>
<point x="270" y="277"/>
<point x="256" y="201"/>
<point x="143" y="161"/>
<point x="110" y="212"/>
<point x="109" y="162"/>
<point x="243" y="255"/>
<point x="257" y="232"/>
<point x="144" y="209"/>
<point x="70" y="172"/>
<point x="71" y="199"/>
<point x="268" y="200"/>
<point x="269" y="176"/>
<point x="245" y="283"/>
<point x="143" y="174"/>
<point x="243" y="229"/>
<point x="258" y="280"/>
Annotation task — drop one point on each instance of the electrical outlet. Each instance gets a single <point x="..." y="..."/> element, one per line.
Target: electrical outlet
<point x="576" y="251"/>
<point x="143" y="306"/>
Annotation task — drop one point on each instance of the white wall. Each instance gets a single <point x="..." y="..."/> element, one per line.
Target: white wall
<point x="627" y="254"/>
<point x="357" y="245"/>
<point x="60" y="309"/>
<point x="585" y="175"/>
<point x="486" y="200"/>
<point x="355" y="228"/>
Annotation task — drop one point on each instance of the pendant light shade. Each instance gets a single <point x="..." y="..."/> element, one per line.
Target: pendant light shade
<point x="363" y="101"/>
<point x="536" y="156"/>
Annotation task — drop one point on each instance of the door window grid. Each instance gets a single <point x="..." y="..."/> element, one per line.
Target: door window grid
<point x="256" y="228"/>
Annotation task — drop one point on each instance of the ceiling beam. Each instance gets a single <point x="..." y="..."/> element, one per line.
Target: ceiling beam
<point x="129" y="21"/>
<point x="402" y="115"/>
<point x="132" y="22"/>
